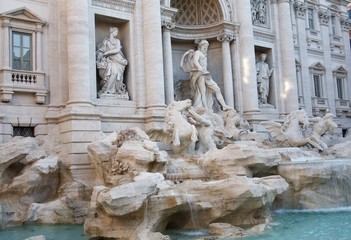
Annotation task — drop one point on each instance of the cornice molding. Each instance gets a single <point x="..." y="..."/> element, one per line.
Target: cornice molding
<point x="120" y="5"/>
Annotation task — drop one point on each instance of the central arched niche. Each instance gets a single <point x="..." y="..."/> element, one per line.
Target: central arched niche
<point x="197" y="12"/>
<point x="196" y="20"/>
<point x="199" y="19"/>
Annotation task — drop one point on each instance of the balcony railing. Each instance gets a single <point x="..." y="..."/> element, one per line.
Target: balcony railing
<point x="342" y="104"/>
<point x="12" y="81"/>
<point x="320" y="102"/>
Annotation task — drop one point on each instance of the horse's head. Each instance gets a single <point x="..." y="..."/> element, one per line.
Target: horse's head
<point x="303" y="119"/>
<point x="181" y="105"/>
<point x="299" y="117"/>
<point x="244" y="124"/>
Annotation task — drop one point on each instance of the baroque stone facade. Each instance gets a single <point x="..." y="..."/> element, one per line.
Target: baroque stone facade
<point x="49" y="79"/>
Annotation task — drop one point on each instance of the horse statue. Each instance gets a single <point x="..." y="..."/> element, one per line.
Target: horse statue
<point x="320" y="127"/>
<point x="179" y="132"/>
<point x="291" y="133"/>
<point x="235" y="124"/>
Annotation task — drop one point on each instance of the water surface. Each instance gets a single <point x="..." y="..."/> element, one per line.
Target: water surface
<point x="51" y="232"/>
<point x="326" y="224"/>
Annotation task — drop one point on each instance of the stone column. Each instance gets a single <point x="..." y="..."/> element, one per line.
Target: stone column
<point x="80" y="122"/>
<point x="39" y="67"/>
<point x="235" y="53"/>
<point x="300" y="10"/>
<point x="288" y="56"/>
<point x="345" y="28"/>
<point x="153" y="57"/>
<point x="168" y="61"/>
<point x="5" y="45"/>
<point x="247" y="61"/>
<point x="78" y="51"/>
<point x="328" y="88"/>
<point x="227" y="69"/>
<point x="167" y="3"/>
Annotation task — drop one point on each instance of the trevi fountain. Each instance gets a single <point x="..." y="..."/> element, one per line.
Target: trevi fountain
<point x="204" y="168"/>
<point x="154" y="119"/>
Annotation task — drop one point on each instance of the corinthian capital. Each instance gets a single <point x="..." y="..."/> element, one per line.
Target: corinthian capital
<point x="345" y="23"/>
<point x="324" y="16"/>
<point x="300" y="9"/>
<point x="225" y="37"/>
<point x="168" y="25"/>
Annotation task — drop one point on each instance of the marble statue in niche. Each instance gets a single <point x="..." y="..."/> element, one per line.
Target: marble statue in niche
<point x="263" y="79"/>
<point x="111" y="63"/>
<point x="259" y="12"/>
<point x="202" y="84"/>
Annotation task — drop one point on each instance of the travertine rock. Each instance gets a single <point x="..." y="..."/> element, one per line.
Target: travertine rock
<point x="121" y="156"/>
<point x="71" y="206"/>
<point x="35" y="183"/>
<point x="316" y="184"/>
<point x="226" y="230"/>
<point x="12" y="153"/>
<point x="341" y="150"/>
<point x="38" y="183"/>
<point x="239" y="200"/>
<point x="144" y="191"/>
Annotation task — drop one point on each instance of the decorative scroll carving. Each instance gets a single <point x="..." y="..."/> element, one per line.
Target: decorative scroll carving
<point x="225" y="37"/>
<point x="167" y="24"/>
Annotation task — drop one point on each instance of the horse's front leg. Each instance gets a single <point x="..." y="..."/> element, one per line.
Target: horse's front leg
<point x="304" y="142"/>
<point x="176" y="139"/>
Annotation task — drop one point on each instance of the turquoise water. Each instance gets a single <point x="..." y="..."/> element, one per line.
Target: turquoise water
<point x="328" y="224"/>
<point x="51" y="232"/>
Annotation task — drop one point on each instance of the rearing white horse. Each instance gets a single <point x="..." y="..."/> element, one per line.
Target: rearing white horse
<point x="179" y="132"/>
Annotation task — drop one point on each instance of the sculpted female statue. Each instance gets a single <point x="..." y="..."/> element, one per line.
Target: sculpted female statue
<point x="111" y="64"/>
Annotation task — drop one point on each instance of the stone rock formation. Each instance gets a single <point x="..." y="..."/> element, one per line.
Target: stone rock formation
<point x="33" y="188"/>
<point x="144" y="202"/>
<point x="315" y="184"/>
<point x="142" y="190"/>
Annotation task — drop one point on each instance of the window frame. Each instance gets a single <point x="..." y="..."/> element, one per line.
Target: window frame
<point x="340" y="81"/>
<point x="311" y="19"/>
<point x="12" y="80"/>
<point x="340" y="88"/>
<point x="31" y="49"/>
<point x="318" y="88"/>
<point x="333" y="25"/>
<point x="317" y="69"/>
